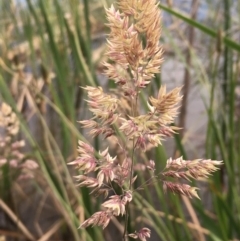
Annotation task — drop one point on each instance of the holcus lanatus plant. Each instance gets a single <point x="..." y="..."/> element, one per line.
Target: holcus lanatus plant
<point x="135" y="56"/>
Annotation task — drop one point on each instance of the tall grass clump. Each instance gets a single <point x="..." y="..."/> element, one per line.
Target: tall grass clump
<point x="135" y="56"/>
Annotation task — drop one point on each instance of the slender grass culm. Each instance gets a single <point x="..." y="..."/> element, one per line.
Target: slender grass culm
<point x="135" y="56"/>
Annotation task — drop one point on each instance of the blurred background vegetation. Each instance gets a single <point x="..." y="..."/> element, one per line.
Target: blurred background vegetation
<point x="50" y="48"/>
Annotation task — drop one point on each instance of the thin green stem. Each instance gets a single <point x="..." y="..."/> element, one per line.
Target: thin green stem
<point x="134" y="111"/>
<point x="130" y="188"/>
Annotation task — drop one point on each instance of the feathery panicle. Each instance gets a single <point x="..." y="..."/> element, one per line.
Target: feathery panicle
<point x="166" y="104"/>
<point x="135" y="61"/>
<point x="153" y="127"/>
<point x="122" y="172"/>
<point x="117" y="203"/>
<point x="142" y="234"/>
<point x="182" y="189"/>
<point x="151" y="166"/>
<point x="85" y="181"/>
<point x="103" y="107"/>
<point x="106" y="167"/>
<point x="86" y="161"/>
<point x="196" y="169"/>
<point x="101" y="218"/>
<point x="181" y="169"/>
